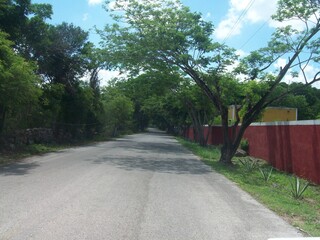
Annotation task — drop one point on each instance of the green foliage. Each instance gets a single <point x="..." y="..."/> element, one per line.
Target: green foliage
<point x="217" y="120"/>
<point x="248" y="163"/>
<point x="266" y="173"/>
<point x="63" y="58"/>
<point x="43" y="73"/>
<point x="244" y="144"/>
<point x="298" y="188"/>
<point x="303" y="9"/>
<point x="38" y="149"/>
<point x="18" y="79"/>
<point x="305" y="99"/>
<point x="50" y="104"/>
<point x="156" y="29"/>
<point x="118" y="112"/>
<point x="25" y="24"/>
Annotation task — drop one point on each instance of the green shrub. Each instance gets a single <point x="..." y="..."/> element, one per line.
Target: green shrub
<point x="244" y="144"/>
<point x="266" y="173"/>
<point x="248" y="163"/>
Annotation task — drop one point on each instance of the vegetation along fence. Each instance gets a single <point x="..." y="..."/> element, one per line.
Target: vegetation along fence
<point x="293" y="147"/>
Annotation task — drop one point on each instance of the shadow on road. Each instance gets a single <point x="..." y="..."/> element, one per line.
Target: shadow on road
<point x="153" y="151"/>
<point x="169" y="165"/>
<point x="151" y="147"/>
<point x="18" y="168"/>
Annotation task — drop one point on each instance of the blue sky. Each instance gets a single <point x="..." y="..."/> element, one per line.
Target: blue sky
<point x="243" y="24"/>
<point x="224" y="15"/>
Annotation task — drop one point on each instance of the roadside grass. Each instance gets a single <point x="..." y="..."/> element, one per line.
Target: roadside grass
<point x="20" y="152"/>
<point x="7" y="157"/>
<point x="275" y="193"/>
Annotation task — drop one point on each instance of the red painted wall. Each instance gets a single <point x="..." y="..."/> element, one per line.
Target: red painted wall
<point x="290" y="148"/>
<point x="293" y="148"/>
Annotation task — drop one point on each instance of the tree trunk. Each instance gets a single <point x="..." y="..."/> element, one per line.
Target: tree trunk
<point x="198" y="128"/>
<point x="202" y="139"/>
<point x="227" y="153"/>
<point x="198" y="133"/>
<point x="231" y="141"/>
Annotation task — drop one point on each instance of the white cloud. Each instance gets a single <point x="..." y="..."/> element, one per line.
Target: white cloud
<point x="295" y="23"/>
<point x="281" y="62"/>
<point x="241" y="53"/>
<point x="95" y="2"/>
<point x="119" y="5"/>
<point x="243" y="12"/>
<point x="310" y="72"/>
<point x="113" y="6"/>
<point x="224" y="28"/>
<point x="105" y="76"/>
<point x="85" y="17"/>
<point x="261" y="10"/>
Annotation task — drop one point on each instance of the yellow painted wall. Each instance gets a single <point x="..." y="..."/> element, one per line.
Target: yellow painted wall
<point x="231" y="112"/>
<point x="272" y="114"/>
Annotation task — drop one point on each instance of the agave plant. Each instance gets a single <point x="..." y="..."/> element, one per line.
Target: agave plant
<point x="266" y="173"/>
<point x="298" y="188"/>
<point x="248" y="163"/>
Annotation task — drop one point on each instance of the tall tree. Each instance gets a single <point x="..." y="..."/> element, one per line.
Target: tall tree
<point x="25" y="24"/>
<point x="200" y="111"/>
<point x="19" y="85"/>
<point x="148" y="34"/>
<point x="63" y="59"/>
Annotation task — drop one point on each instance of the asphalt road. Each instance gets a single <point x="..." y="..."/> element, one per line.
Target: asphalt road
<point x="143" y="186"/>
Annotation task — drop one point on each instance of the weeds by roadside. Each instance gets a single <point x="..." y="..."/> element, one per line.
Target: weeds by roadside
<point x="7" y="157"/>
<point x="271" y="187"/>
<point x="20" y="152"/>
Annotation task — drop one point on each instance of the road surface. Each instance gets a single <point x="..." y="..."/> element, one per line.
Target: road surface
<point x="143" y="186"/>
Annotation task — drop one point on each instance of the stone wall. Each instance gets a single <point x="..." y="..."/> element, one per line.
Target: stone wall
<point x="26" y="137"/>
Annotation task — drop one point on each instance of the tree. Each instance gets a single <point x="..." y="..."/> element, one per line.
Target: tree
<point x="61" y="57"/>
<point x="118" y="110"/>
<point x="19" y="85"/>
<point x="64" y="58"/>
<point x="201" y="113"/>
<point x="149" y="91"/>
<point x="305" y="100"/>
<point x="63" y="62"/>
<point x="25" y="24"/>
<point x="312" y="97"/>
<point x="166" y="32"/>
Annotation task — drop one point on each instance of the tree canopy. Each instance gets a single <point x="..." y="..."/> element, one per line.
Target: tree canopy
<point x="149" y="35"/>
